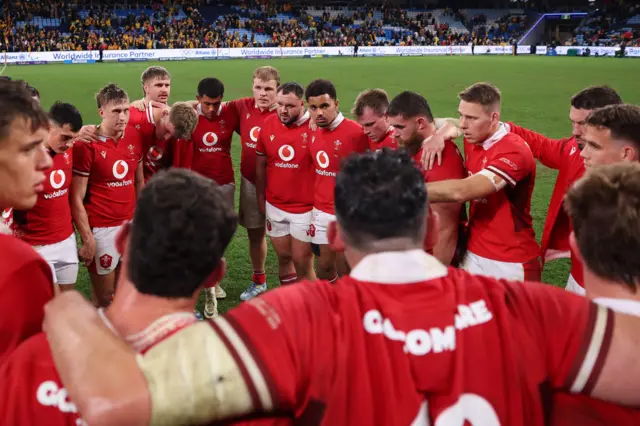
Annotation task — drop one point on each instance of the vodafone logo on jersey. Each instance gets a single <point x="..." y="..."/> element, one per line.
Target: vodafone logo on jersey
<point x="210" y="139"/>
<point x="6" y="213"/>
<point x="120" y="169"/>
<point x="57" y="179"/>
<point x="286" y="152"/>
<point x="155" y="153"/>
<point x="253" y="133"/>
<point x="323" y="159"/>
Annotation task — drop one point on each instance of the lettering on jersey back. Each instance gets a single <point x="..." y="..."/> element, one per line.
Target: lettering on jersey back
<point x="420" y="342"/>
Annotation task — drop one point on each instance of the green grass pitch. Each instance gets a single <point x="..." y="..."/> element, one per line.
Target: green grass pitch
<point x="536" y="92"/>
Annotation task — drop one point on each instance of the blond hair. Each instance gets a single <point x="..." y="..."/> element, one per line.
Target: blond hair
<point x="184" y="118"/>
<point x="267" y="73"/>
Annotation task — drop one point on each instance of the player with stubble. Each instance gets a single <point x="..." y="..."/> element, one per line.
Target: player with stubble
<point x="502" y="171"/>
<point x="336" y="138"/>
<point x="412" y="122"/>
<point x="437" y="344"/>
<point x="284" y="183"/>
<point x="26" y="280"/>
<point x="107" y="176"/>
<point x="48" y="226"/>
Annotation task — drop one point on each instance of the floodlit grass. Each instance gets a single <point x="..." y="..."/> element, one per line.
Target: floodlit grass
<point x="535" y="90"/>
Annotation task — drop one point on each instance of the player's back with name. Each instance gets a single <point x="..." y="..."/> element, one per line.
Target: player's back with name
<point x="290" y="174"/>
<point x="398" y="344"/>
<point x="49" y="221"/>
<point x="110" y="168"/>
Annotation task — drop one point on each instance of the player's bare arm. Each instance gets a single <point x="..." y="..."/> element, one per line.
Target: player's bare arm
<point x="139" y="179"/>
<point x="81" y="219"/>
<point x="432" y="147"/>
<point x="97" y="368"/>
<point x="448" y="214"/>
<point x="261" y="180"/>
<point x="461" y="190"/>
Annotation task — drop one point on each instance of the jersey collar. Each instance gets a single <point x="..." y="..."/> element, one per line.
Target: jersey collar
<point x="199" y="109"/>
<point x="624" y="306"/>
<point x="302" y="120"/>
<point x="495" y="138"/>
<point x="398" y="267"/>
<point x="271" y="108"/>
<point x="335" y="123"/>
<point x="150" y="114"/>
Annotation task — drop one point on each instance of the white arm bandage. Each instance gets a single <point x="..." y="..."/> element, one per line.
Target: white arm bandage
<point x="497" y="181"/>
<point x="194" y="378"/>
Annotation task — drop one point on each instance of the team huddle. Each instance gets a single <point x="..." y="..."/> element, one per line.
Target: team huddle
<point x="408" y="307"/>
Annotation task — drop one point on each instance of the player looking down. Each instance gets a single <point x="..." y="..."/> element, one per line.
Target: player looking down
<point x="370" y="110"/>
<point x="48" y="226"/>
<point x="107" y="175"/>
<point x="284" y="183"/>
<point x="412" y="122"/>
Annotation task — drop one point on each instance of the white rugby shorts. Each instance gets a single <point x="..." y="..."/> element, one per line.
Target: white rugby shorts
<point x="478" y="265"/>
<point x="62" y="257"/>
<point x="280" y="223"/>
<point x="107" y="256"/>
<point x="319" y="225"/>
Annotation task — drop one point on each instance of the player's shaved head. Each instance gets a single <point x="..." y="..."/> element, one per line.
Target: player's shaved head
<point x="410" y="105"/>
<point x="604" y="207"/>
<point x="485" y="94"/>
<point x="111" y="93"/>
<point x="291" y="87"/>
<point x="380" y="196"/>
<point x="595" y="97"/>
<point x="181" y="228"/>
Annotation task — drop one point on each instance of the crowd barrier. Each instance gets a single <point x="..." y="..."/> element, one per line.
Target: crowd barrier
<point x="32" y="58"/>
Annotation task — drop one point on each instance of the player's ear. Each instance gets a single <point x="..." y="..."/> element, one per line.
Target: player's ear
<point x="336" y="243"/>
<point x="629" y="153"/>
<point x="573" y="243"/>
<point x="101" y="112"/>
<point x="432" y="224"/>
<point x="123" y="237"/>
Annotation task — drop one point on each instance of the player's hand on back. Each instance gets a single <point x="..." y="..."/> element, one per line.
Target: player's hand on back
<point x="432" y="148"/>
<point x="88" y="133"/>
<point x="139" y="104"/>
<point x="88" y="250"/>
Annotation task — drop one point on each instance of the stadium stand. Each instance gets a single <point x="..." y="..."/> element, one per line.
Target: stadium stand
<point x="59" y="26"/>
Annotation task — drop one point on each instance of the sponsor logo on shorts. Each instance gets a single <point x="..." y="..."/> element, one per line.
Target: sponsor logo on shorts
<point x="269" y="227"/>
<point x="57" y="179"/>
<point x="312" y="231"/>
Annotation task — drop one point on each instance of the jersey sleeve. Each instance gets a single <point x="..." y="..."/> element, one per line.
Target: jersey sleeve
<point x="512" y="162"/>
<point x="235" y="108"/>
<point x="182" y="153"/>
<point x="549" y="152"/>
<point x="29" y="287"/>
<point x="362" y="143"/>
<point x="574" y="335"/>
<point x="452" y="166"/>
<point x="262" y="356"/>
<point x="82" y="158"/>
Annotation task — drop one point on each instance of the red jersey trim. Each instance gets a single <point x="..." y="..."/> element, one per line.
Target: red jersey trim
<point x="593" y="350"/>
<point x="255" y="377"/>
<point x="503" y="174"/>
